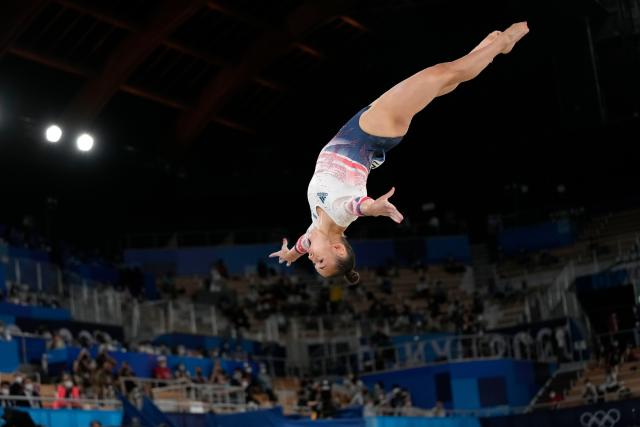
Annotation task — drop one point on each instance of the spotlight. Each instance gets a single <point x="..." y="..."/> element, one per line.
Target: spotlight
<point x="84" y="142"/>
<point x="53" y="133"/>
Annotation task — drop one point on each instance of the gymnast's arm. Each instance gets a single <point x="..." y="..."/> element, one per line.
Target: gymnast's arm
<point x="290" y="255"/>
<point x="381" y="206"/>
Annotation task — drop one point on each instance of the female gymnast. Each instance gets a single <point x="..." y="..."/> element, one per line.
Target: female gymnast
<point x="337" y="192"/>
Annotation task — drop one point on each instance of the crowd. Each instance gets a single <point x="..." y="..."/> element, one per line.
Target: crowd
<point x="323" y="399"/>
<point x="612" y="358"/>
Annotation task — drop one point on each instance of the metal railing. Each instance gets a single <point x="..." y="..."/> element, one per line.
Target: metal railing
<point x="49" y="402"/>
<point x="445" y="349"/>
<point x="185" y="396"/>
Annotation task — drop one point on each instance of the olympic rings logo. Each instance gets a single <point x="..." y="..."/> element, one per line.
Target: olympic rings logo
<point x="600" y="418"/>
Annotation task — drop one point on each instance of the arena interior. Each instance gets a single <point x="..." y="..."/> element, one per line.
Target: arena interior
<point x="153" y="153"/>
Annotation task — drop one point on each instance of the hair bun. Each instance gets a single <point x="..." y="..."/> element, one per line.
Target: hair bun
<point x="352" y="276"/>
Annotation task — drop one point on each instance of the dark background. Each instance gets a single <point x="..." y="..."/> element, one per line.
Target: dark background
<point x="561" y="109"/>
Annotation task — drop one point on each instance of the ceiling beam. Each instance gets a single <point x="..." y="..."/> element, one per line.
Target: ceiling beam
<point x="256" y="22"/>
<point x="108" y="18"/>
<point x="15" y="16"/>
<point x="126" y="58"/>
<point x="130" y="89"/>
<point x="253" y="60"/>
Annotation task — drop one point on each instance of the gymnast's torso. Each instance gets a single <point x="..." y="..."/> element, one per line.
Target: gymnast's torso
<point x="342" y="169"/>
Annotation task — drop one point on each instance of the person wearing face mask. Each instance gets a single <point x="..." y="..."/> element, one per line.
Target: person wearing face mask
<point x="4" y="392"/>
<point x="66" y="391"/>
<point x="17" y="389"/>
<point x="31" y="392"/>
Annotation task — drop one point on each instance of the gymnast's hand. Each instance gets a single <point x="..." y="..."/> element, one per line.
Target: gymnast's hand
<point x="285" y="254"/>
<point x="382" y="207"/>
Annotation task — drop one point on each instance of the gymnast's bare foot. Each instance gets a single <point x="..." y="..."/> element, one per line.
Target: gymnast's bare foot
<point x="512" y="35"/>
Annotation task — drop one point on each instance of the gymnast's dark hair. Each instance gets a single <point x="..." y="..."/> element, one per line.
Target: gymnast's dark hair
<point x="346" y="266"/>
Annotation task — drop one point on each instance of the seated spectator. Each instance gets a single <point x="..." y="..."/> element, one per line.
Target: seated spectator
<point x="83" y="369"/>
<point x="236" y="378"/>
<point x="31" y="391"/>
<point x="438" y="411"/>
<point x="56" y="343"/>
<point x="611" y="383"/>
<point x="126" y="372"/>
<point x="162" y="371"/>
<point x="4" y="392"/>
<point x="5" y="335"/>
<point x="104" y="357"/>
<point x="590" y="393"/>
<point x="555" y="398"/>
<point x="264" y="380"/>
<point x="198" y="377"/>
<point x="218" y="376"/>
<point x="67" y="391"/>
<point x="629" y="356"/>
<point x="17" y="389"/>
<point x="182" y="373"/>
<point x="422" y="288"/>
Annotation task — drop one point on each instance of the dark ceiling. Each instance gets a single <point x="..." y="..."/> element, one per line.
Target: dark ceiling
<point x="210" y="114"/>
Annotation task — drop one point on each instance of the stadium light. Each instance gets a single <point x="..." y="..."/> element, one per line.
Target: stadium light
<point x="84" y="142"/>
<point x="53" y="134"/>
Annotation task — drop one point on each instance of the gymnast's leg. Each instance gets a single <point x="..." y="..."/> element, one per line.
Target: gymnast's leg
<point x="391" y="114"/>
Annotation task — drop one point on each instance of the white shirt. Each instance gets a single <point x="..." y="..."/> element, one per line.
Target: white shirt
<point x="338" y="187"/>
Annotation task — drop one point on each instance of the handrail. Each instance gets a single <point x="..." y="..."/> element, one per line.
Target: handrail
<point x="98" y="403"/>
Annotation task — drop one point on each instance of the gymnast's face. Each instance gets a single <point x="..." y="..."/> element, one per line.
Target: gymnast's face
<point x="324" y="255"/>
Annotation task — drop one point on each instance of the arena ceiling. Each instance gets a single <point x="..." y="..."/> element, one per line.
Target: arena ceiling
<point x="210" y="113"/>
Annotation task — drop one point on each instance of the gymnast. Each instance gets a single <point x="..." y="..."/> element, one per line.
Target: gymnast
<point x="337" y="192"/>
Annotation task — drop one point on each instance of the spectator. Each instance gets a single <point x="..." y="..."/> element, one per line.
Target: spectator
<point x="611" y="381"/>
<point x="5" y="335"/>
<point x="32" y="393"/>
<point x="590" y="393"/>
<point x="67" y="391"/>
<point x="4" y="392"/>
<point x="182" y="373"/>
<point x="378" y="393"/>
<point x="104" y="357"/>
<point x="56" y="343"/>
<point x="438" y="411"/>
<point x="264" y="380"/>
<point x="95" y="423"/>
<point x="555" y="398"/>
<point x="199" y="378"/>
<point x="17" y="387"/>
<point x="162" y="371"/>
<point x="422" y="287"/>
<point x="126" y="372"/>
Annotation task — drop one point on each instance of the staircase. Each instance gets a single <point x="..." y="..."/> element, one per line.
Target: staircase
<point x="561" y="382"/>
<point x="148" y="416"/>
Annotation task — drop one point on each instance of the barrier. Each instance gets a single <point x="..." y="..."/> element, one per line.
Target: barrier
<point x="274" y="418"/>
<point x="620" y="413"/>
<point x="239" y="259"/>
<point x="422" y="422"/>
<point x="143" y="363"/>
<point x="9" y="356"/>
<point x="72" y="418"/>
<point x="536" y="237"/>
<point x="469" y="385"/>
<point x="206" y="342"/>
<point x="34" y="312"/>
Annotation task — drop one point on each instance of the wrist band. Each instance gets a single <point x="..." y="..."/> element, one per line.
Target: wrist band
<point x="358" y="207"/>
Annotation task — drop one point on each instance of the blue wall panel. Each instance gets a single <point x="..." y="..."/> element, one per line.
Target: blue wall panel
<point x="465" y="392"/>
<point x="519" y="379"/>
<point x="239" y="258"/>
<point x="72" y="418"/>
<point x="9" y="356"/>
